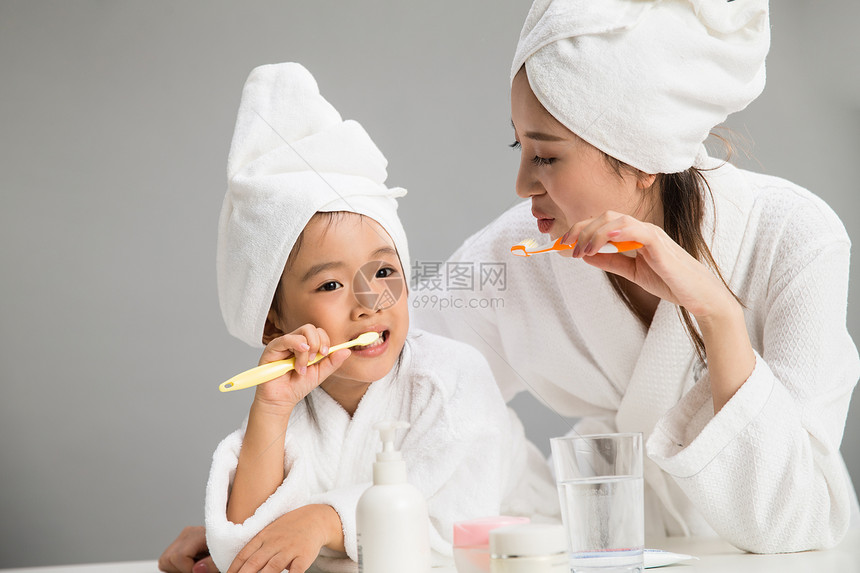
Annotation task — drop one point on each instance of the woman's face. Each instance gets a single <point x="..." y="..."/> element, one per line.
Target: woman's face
<point x="567" y="179"/>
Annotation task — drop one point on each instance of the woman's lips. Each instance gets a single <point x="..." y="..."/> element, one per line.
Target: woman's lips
<point x="544" y="224"/>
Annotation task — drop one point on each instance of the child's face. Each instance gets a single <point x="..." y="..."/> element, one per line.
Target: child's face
<point x="320" y="288"/>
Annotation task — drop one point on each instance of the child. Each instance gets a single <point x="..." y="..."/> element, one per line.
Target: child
<point x="311" y="253"/>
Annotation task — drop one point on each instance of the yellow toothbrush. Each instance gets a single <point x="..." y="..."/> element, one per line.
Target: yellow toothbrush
<point x="272" y="370"/>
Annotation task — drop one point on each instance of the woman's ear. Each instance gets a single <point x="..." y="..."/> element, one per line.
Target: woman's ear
<point x="645" y="180"/>
<point x="271" y="330"/>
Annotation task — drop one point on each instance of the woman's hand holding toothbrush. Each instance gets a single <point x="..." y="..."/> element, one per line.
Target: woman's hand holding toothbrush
<point x="661" y="267"/>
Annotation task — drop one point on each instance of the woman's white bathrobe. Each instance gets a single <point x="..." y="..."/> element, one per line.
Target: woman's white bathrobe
<point x="464" y="451"/>
<point x="765" y="473"/>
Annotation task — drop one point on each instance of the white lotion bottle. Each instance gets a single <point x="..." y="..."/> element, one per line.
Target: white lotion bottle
<point x="392" y="525"/>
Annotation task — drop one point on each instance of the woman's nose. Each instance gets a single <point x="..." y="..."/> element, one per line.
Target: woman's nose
<point x="527" y="184"/>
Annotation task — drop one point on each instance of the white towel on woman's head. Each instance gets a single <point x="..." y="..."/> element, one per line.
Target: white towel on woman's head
<point x="292" y="155"/>
<point x="645" y="80"/>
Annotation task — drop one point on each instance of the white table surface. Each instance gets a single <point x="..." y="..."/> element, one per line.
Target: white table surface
<point x="714" y="556"/>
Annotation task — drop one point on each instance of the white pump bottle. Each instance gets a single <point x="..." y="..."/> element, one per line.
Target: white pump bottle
<point x="392" y="524"/>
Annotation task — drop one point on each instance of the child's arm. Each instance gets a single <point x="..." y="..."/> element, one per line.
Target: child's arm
<point x="261" y="460"/>
<point x="292" y="541"/>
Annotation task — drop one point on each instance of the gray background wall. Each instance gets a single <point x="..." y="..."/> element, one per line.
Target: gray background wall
<point x="115" y="120"/>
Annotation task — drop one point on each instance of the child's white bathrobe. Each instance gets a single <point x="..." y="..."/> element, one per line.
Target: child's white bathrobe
<point x="765" y="473"/>
<point x="464" y="451"/>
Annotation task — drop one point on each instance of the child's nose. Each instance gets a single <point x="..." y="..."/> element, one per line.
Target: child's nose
<point x="367" y="303"/>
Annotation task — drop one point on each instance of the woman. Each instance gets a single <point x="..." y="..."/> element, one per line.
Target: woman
<point x="723" y="340"/>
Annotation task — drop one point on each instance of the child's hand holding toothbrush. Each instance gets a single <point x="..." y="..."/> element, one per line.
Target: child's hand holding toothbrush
<point x="303" y="344"/>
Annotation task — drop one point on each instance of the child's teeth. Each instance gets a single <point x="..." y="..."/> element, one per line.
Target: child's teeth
<point x="376" y="342"/>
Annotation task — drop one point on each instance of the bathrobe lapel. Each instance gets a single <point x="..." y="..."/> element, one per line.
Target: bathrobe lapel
<point x="612" y="336"/>
<point x="354" y="437"/>
<point x="661" y="375"/>
<point x="663" y="372"/>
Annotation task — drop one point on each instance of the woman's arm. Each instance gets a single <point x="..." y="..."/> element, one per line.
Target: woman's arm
<point x="765" y="470"/>
<point x="187" y="553"/>
<point x="727" y="344"/>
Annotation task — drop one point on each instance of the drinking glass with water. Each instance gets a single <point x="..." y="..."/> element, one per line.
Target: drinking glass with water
<point x="600" y="488"/>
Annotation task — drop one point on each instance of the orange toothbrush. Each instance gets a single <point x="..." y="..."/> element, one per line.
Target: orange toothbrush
<point x="530" y="247"/>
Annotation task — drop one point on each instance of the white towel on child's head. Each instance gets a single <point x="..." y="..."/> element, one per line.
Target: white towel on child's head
<point x="292" y="155"/>
<point x="645" y="80"/>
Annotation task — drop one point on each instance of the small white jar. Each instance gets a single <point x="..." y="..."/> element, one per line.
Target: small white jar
<point x="472" y="541"/>
<point x="529" y="548"/>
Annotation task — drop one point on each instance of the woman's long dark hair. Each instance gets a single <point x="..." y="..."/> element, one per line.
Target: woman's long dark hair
<point x="683" y="198"/>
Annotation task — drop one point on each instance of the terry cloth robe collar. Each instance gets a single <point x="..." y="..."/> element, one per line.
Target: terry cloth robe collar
<point x="336" y="425"/>
<point x="602" y="318"/>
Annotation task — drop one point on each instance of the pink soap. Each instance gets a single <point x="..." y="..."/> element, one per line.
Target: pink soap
<point x="477" y="531"/>
<point x="472" y="541"/>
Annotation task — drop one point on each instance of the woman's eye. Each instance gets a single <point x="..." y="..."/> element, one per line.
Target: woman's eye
<point x="384" y="272"/>
<point x="541" y="161"/>
<point x="329" y="286"/>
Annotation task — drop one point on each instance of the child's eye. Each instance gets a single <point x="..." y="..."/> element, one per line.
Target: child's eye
<point x="541" y="161"/>
<point x="384" y="272"/>
<point x="329" y="286"/>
